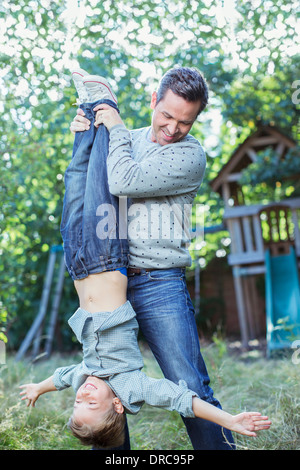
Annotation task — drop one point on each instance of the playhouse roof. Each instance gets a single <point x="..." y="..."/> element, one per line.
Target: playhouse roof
<point x="245" y="154"/>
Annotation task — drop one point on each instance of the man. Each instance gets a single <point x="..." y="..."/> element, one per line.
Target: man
<point x="160" y="169"/>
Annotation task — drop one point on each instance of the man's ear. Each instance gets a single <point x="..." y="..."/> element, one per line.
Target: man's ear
<point x="153" y="100"/>
<point x="118" y="407"/>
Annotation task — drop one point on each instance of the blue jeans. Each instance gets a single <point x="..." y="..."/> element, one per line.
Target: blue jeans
<point x="166" y="317"/>
<point x="90" y="225"/>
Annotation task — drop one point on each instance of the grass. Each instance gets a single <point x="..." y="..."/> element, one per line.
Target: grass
<point x="241" y="381"/>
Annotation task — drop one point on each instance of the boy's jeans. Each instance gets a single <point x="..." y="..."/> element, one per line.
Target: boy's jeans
<point x="166" y="318"/>
<point x="90" y="219"/>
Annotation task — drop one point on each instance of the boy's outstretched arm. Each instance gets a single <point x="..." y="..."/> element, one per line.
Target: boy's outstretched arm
<point x="246" y="423"/>
<point x="31" y="392"/>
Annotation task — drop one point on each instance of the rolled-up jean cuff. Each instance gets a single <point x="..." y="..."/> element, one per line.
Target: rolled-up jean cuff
<point x="108" y="265"/>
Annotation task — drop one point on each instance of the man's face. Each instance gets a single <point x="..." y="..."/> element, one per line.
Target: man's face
<point x="172" y="118"/>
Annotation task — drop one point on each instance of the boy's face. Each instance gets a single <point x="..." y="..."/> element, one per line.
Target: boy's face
<point x="172" y="117"/>
<point x="93" y="399"/>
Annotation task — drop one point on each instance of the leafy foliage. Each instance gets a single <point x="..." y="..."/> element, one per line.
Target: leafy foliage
<point x="134" y="43"/>
<point x="273" y="178"/>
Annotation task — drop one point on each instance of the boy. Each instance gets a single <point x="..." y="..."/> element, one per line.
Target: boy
<point x="109" y="381"/>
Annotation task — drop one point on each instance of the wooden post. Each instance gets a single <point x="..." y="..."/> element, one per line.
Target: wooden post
<point x="238" y="285"/>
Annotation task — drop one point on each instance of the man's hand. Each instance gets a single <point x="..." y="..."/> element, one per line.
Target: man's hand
<point x="31" y="393"/>
<point x="107" y="115"/>
<point x="80" y="123"/>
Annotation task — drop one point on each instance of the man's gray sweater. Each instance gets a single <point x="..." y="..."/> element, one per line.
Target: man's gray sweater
<point x="161" y="182"/>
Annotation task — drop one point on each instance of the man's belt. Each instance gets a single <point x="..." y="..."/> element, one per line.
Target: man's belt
<point x="131" y="271"/>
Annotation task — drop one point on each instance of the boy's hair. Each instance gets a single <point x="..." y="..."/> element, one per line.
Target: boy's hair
<point x="185" y="82"/>
<point x="109" y="433"/>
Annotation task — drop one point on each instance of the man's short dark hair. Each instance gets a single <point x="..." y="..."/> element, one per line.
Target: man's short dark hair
<point x="185" y="82"/>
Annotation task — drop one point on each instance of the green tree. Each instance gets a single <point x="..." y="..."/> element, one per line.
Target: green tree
<point x="134" y="43"/>
<point x="40" y="41"/>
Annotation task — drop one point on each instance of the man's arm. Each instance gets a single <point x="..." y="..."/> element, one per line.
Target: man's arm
<point x="31" y="392"/>
<point x="167" y="171"/>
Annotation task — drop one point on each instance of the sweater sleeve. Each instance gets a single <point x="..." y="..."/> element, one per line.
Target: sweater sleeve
<point x="166" y="171"/>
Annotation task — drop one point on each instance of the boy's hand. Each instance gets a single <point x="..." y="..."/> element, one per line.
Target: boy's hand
<point x="107" y="115"/>
<point x="31" y="393"/>
<point x="248" y="422"/>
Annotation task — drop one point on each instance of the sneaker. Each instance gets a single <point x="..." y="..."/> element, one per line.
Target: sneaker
<point x="83" y="95"/>
<point x="98" y="88"/>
